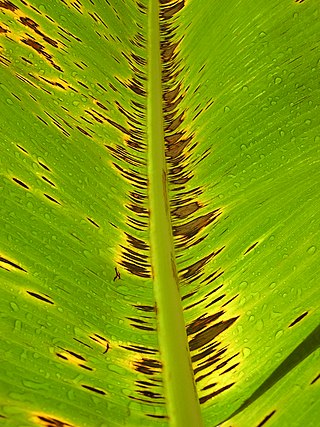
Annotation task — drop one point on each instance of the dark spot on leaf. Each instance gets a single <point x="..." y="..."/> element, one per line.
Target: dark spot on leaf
<point x="213" y="276"/>
<point x="143" y="328"/>
<point x="48" y="181"/>
<point x="215" y="300"/>
<point x="82" y="343"/>
<point x="51" y="198"/>
<point x="62" y="356"/>
<point x="201" y="322"/>
<point x="6" y="261"/>
<point x="147" y="366"/>
<point x="8" y="5"/>
<point x="83" y="131"/>
<point x="85" y="367"/>
<point x="40" y="297"/>
<point x="44" y="166"/>
<point x="230" y="300"/>
<point x="93" y="222"/>
<point x="47" y="421"/>
<point x="78" y="356"/>
<point x="251" y="247"/>
<point x="95" y="390"/>
<point x="298" y="319"/>
<point x="151" y="394"/>
<point x="267" y="418"/>
<point x="186" y="210"/>
<point x="230" y="369"/>
<point x="157" y="416"/>
<point x="207" y="335"/>
<point x="139" y="349"/>
<point x="22" y="184"/>
<point x="206" y="352"/>
<point x="195" y="270"/>
<point x="22" y="149"/>
<point x="204" y="399"/>
<point x="190" y="294"/>
<point x="208" y="386"/>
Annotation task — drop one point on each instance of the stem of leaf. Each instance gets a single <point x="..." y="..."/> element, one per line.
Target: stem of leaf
<point x="180" y="391"/>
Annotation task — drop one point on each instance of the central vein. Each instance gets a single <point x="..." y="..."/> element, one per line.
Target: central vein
<point x="181" y="396"/>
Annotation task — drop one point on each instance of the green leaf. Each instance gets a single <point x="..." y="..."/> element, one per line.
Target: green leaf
<point x="160" y="218"/>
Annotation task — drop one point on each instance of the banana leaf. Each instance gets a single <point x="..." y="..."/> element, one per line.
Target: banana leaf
<point x="159" y="239"/>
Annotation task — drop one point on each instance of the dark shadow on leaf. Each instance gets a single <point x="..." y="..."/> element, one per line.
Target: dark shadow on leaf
<point x="308" y="346"/>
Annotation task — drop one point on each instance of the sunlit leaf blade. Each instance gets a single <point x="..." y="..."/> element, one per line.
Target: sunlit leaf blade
<point x="262" y="129"/>
<point x="240" y="88"/>
<point x="80" y="343"/>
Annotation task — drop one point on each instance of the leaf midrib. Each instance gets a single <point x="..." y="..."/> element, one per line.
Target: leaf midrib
<point x="181" y="396"/>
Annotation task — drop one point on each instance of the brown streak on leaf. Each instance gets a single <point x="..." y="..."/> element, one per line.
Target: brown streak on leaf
<point x="204" y="337"/>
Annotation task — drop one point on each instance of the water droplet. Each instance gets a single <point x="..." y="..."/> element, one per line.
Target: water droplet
<point x="262" y="34"/>
<point x="32" y="384"/>
<point x="272" y="285"/>
<point x="279" y="334"/>
<point x="243" y="147"/>
<point x="245" y="88"/>
<point x="227" y="109"/>
<point x="17" y="325"/>
<point x="240" y="329"/>
<point x="259" y="325"/>
<point x="277" y="80"/>
<point x="243" y="285"/>
<point x="246" y="351"/>
<point x="311" y="250"/>
<point x="242" y="301"/>
<point x="14" y="306"/>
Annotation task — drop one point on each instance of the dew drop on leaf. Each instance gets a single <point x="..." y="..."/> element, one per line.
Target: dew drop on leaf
<point x="17" y="325"/>
<point x="14" y="306"/>
<point x="246" y="352"/>
<point x="32" y="384"/>
<point x="243" y="285"/>
<point x="259" y="325"/>
<point x="311" y="250"/>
